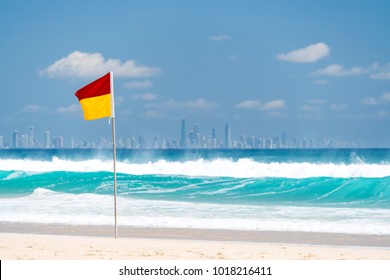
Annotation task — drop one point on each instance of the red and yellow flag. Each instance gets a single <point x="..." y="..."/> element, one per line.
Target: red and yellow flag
<point x="95" y="98"/>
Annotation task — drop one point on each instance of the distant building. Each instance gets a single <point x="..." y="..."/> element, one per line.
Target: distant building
<point x="58" y="142"/>
<point x="196" y="136"/>
<point x="155" y="142"/>
<point x="228" y="140"/>
<point x="30" y="138"/>
<point x="183" y="134"/>
<point x="15" y="139"/>
<point x="284" y="140"/>
<point x="47" y="140"/>
<point x="213" y="141"/>
<point x="213" y="133"/>
<point x="142" y="142"/>
<point x="192" y="139"/>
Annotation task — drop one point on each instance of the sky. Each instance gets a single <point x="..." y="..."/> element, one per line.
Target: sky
<point x="315" y="69"/>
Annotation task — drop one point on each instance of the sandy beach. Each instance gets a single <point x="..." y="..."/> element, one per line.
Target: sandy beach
<point x="47" y="242"/>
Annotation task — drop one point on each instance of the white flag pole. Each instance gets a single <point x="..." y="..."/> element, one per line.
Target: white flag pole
<point x="113" y="146"/>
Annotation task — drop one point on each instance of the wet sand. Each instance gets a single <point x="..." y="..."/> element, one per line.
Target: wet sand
<point x="50" y="241"/>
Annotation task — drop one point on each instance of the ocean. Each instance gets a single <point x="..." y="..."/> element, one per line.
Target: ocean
<point x="338" y="191"/>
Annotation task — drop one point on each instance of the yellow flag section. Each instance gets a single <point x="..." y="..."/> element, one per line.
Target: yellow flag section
<point x="95" y="98"/>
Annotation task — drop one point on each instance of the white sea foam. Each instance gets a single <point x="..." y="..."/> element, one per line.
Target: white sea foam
<point x="45" y="206"/>
<point x="242" y="168"/>
<point x="17" y="174"/>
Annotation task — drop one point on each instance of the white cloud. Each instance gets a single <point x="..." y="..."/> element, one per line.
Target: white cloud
<point x="33" y="108"/>
<point x="381" y="76"/>
<point x="248" y="104"/>
<point x="339" y="107"/>
<point x="313" y="105"/>
<point x="74" y="108"/>
<point x="384" y="98"/>
<point x="338" y="70"/>
<point x="221" y="37"/>
<point x="138" y="85"/>
<point x="152" y="114"/>
<point x="199" y="104"/>
<point x="380" y="72"/>
<point x="274" y="105"/>
<point x="145" y="97"/>
<point x="310" y="108"/>
<point x="382" y="114"/>
<point x="375" y="71"/>
<point x="308" y="54"/>
<point x="369" y="101"/>
<point x="91" y="65"/>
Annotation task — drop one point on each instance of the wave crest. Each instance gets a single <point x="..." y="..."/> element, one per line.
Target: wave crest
<point x="242" y="168"/>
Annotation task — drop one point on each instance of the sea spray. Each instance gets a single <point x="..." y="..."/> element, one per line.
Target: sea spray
<point x="242" y="168"/>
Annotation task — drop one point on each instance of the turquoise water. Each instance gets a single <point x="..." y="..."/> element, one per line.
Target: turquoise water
<point x="296" y="190"/>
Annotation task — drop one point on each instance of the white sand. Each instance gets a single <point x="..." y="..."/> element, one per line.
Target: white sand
<point x="47" y="247"/>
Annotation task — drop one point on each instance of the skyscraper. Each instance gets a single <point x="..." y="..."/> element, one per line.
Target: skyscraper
<point x="213" y="142"/>
<point x="228" y="141"/>
<point x="30" y="142"/>
<point x="196" y="135"/>
<point x="213" y="133"/>
<point x="59" y="142"/>
<point x="47" y="140"/>
<point x="183" y="134"/>
<point x="284" y="140"/>
<point x="15" y="139"/>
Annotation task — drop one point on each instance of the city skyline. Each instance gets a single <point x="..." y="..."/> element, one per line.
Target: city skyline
<point x="311" y="69"/>
<point x="187" y="138"/>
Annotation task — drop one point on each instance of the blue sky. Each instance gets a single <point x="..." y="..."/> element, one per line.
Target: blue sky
<point x="308" y="68"/>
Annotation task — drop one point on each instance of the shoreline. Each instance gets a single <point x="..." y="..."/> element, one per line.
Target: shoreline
<point x="270" y="237"/>
<point x="46" y="242"/>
